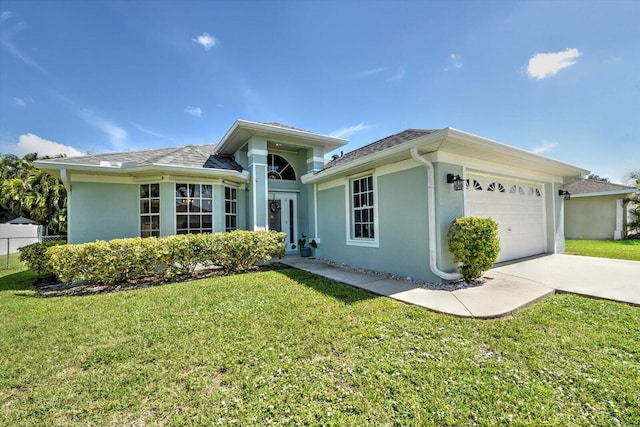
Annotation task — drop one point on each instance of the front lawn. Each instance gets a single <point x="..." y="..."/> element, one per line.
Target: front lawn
<point x="617" y="249"/>
<point x="289" y="348"/>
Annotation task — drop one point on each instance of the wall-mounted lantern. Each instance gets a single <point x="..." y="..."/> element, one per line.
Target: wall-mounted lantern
<point x="564" y="194"/>
<point x="456" y="180"/>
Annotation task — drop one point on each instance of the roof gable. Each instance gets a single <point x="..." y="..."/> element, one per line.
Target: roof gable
<point x="380" y="145"/>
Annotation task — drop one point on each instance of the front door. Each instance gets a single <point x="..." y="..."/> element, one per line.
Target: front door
<point x="282" y="210"/>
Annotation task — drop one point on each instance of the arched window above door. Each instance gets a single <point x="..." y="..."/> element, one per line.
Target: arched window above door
<point x="280" y="168"/>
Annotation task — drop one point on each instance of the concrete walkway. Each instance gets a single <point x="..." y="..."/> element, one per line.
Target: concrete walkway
<point x="508" y="287"/>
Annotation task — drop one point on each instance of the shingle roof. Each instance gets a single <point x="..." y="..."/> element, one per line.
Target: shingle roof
<point x="380" y="145"/>
<point x="584" y="186"/>
<point x="189" y="155"/>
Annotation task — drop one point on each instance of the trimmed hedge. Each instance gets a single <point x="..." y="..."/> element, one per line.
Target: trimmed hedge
<point x="122" y="260"/>
<point x="475" y="245"/>
<point x="34" y="255"/>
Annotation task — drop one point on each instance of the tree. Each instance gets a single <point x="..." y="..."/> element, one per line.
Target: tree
<point x="32" y="193"/>
<point x="632" y="202"/>
<point x="597" y="178"/>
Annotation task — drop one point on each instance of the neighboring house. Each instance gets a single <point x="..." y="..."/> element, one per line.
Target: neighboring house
<point x="596" y="210"/>
<point x="386" y="206"/>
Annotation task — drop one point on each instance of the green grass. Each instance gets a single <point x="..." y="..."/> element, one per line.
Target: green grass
<point x="289" y="348"/>
<point x="14" y="263"/>
<point x="617" y="249"/>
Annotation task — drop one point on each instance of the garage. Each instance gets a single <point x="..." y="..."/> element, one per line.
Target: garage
<point x="517" y="207"/>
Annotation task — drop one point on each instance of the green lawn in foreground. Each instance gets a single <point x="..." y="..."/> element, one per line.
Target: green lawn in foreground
<point x="289" y="348"/>
<point x="618" y="249"/>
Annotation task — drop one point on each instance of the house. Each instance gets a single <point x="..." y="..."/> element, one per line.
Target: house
<point x="386" y="206"/>
<point x="595" y="210"/>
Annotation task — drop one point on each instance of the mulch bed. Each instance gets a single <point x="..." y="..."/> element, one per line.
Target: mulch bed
<point x="50" y="286"/>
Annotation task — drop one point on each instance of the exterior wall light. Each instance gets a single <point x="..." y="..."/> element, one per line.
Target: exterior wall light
<point x="564" y="194"/>
<point x="456" y="180"/>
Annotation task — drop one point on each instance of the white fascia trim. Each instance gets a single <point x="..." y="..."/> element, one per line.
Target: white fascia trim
<point x="485" y="167"/>
<point x="602" y="193"/>
<point x="250" y="127"/>
<point x="492" y="145"/>
<point x="155" y="167"/>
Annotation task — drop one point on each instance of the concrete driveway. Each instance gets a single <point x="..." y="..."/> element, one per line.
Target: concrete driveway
<point x="611" y="279"/>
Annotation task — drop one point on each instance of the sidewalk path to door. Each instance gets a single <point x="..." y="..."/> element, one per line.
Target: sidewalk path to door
<point x="508" y="287"/>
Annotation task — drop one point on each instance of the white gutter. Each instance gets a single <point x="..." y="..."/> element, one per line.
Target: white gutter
<point x="431" y="218"/>
<point x="65" y="180"/>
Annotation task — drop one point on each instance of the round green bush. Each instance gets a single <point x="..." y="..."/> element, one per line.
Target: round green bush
<point x="475" y="245"/>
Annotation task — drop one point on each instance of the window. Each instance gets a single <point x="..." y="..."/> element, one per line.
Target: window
<point x="280" y="168"/>
<point x="362" y="208"/>
<point x="194" y="208"/>
<point x="149" y="210"/>
<point x="230" y="209"/>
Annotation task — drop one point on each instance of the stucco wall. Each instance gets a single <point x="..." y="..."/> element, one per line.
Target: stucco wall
<point x="402" y="227"/>
<point x="592" y="218"/>
<point x="100" y="211"/>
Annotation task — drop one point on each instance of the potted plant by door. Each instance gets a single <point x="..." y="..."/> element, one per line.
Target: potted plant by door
<point x="305" y="251"/>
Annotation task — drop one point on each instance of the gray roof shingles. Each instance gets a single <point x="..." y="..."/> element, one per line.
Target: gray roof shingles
<point x="585" y="186"/>
<point x="380" y="145"/>
<point x="204" y="155"/>
<point x="189" y="155"/>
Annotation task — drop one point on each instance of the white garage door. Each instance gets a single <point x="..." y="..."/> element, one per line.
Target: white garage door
<point x="517" y="207"/>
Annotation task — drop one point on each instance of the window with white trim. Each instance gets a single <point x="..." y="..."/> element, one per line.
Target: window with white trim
<point x="194" y="208"/>
<point x="230" y="209"/>
<point x="362" y="209"/>
<point x="149" y="210"/>
<point x="279" y="168"/>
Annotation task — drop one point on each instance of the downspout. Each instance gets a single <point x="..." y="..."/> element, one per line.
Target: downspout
<point x="431" y="218"/>
<point x="65" y="180"/>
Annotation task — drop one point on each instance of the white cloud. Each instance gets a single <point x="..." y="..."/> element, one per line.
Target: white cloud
<point x="545" y="147"/>
<point x="543" y="65"/>
<point x="454" y="61"/>
<point x="206" y="40"/>
<point x="6" y="41"/>
<point x="371" y="72"/>
<point x="23" y="102"/>
<point x="31" y="143"/>
<point x="399" y="75"/>
<point x="147" y="131"/>
<point x="350" y="130"/>
<point x="5" y="15"/>
<point x="194" y="111"/>
<point x="117" y="135"/>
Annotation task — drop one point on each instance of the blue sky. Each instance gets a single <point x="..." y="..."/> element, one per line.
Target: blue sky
<point x="558" y="78"/>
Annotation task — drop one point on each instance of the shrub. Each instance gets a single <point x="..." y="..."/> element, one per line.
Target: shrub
<point x="475" y="245"/>
<point x="241" y="250"/>
<point x="35" y="255"/>
<point x="121" y="260"/>
<point x="183" y="254"/>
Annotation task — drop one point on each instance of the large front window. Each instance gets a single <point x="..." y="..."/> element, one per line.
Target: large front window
<point x="149" y="210"/>
<point x="194" y="208"/>
<point x="362" y="196"/>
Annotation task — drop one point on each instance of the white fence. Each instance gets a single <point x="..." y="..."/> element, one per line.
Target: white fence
<point x="15" y="236"/>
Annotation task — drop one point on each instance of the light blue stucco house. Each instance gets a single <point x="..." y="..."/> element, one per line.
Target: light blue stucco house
<point x="386" y="206"/>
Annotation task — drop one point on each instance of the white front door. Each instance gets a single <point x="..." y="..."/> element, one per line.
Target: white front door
<point x="282" y="210"/>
